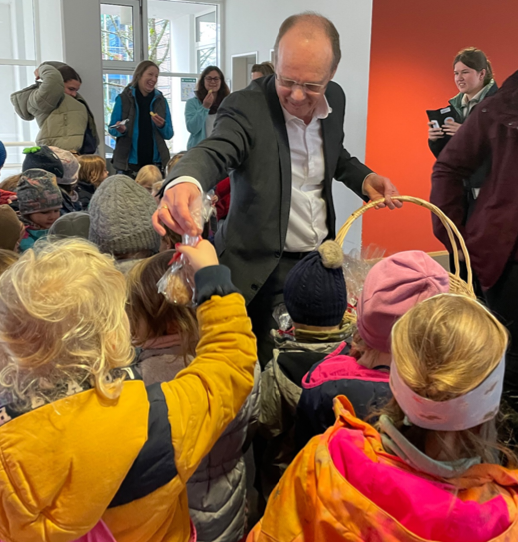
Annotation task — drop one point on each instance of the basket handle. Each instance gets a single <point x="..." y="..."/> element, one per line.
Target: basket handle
<point x="455" y="237"/>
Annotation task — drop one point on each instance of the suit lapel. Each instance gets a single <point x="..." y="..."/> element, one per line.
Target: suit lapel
<point x="281" y="134"/>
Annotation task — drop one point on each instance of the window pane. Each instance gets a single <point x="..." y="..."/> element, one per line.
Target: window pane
<point x="171" y="88"/>
<point x="117" y="32"/>
<point x="173" y="28"/>
<point x="206" y="57"/>
<point x="159" y="40"/>
<point x="206" y="28"/>
<point x="113" y="85"/>
<point x="13" y="128"/>
<point x="17" y="30"/>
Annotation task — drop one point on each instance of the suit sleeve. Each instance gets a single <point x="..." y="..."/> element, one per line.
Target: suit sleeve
<point x="50" y="93"/>
<point x="206" y="396"/>
<point x="351" y="172"/>
<point x="226" y="148"/>
<point x="463" y="155"/>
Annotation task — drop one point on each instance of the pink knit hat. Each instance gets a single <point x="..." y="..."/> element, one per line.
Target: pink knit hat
<point x="392" y="287"/>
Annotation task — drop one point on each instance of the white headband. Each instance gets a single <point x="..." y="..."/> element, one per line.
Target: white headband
<point x="474" y="408"/>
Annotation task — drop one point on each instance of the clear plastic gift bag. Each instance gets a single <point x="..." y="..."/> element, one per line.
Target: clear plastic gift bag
<point x="356" y="267"/>
<point x="177" y="283"/>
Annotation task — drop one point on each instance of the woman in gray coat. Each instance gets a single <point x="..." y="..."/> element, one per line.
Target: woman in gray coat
<point x="62" y="114"/>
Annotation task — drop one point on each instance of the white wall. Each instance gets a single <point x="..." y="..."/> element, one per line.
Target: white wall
<point x="82" y="47"/>
<point x="252" y="26"/>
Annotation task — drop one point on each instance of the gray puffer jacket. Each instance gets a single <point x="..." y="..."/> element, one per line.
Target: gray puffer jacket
<point x="217" y="490"/>
<point x="62" y="119"/>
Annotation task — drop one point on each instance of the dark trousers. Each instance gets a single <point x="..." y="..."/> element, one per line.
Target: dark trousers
<point x="502" y="299"/>
<point x="260" y="309"/>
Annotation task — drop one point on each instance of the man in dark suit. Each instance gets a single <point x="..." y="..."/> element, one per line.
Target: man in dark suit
<point x="281" y="139"/>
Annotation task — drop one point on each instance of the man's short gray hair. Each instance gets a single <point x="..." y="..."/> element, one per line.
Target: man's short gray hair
<point x="310" y="19"/>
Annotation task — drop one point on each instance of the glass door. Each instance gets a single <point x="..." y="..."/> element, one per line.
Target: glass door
<point x="181" y="37"/>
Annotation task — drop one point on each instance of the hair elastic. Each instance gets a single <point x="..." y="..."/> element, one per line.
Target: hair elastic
<point x="469" y="410"/>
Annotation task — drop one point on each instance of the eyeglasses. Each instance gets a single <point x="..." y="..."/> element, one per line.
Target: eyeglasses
<point x="314" y="88"/>
<point x="212" y="79"/>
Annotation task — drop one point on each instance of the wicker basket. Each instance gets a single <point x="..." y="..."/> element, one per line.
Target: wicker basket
<point x="457" y="285"/>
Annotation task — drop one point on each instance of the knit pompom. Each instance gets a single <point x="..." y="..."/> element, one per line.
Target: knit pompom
<point x="331" y="254"/>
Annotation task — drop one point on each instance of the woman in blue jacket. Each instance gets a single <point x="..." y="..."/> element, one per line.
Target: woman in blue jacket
<point x="140" y="141"/>
<point x="200" y="111"/>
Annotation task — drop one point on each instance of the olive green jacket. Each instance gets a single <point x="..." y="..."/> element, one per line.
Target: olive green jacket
<point x="62" y="119"/>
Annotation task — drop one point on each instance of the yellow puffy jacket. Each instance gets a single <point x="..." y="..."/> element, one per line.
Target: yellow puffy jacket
<point x="69" y="464"/>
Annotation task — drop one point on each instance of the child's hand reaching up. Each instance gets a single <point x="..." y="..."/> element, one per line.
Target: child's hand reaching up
<point x="200" y="256"/>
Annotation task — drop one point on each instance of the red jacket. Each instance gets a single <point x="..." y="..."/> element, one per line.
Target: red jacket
<point x="491" y="233"/>
<point x="223" y="192"/>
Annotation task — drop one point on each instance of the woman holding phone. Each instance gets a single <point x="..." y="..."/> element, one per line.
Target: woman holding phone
<point x="474" y="78"/>
<point x="473" y="75"/>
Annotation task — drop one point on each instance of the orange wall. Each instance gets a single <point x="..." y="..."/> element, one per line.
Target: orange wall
<point x="412" y="50"/>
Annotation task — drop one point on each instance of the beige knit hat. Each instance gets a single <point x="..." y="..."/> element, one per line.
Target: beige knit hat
<point x="70" y="166"/>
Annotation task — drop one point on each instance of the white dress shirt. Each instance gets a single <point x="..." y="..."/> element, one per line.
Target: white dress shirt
<point x="307" y="226"/>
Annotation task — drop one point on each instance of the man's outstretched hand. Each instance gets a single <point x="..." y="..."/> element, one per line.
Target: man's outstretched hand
<point x="174" y="212"/>
<point x="380" y="188"/>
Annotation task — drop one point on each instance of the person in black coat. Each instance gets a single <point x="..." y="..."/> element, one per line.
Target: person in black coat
<point x="281" y="140"/>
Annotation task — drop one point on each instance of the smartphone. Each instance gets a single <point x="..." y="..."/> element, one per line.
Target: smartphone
<point x="435" y="124"/>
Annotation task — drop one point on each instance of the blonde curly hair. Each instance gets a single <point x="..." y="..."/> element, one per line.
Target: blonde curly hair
<point x="62" y="319"/>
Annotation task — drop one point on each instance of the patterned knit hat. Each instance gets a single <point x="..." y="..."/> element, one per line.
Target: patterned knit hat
<point x="38" y="192"/>
<point x="314" y="291"/>
<point x="10" y="228"/>
<point x="120" y="217"/>
<point x="70" y="166"/>
<point x="42" y="158"/>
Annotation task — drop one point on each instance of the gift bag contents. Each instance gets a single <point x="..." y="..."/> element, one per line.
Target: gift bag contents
<point x="177" y="283"/>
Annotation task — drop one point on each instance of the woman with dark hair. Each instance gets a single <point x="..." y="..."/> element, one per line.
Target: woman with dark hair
<point x="474" y="79"/>
<point x="200" y="111"/>
<point x="64" y="118"/>
<point x="141" y="123"/>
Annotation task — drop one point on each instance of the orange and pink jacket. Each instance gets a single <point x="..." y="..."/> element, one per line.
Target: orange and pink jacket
<point x="344" y="486"/>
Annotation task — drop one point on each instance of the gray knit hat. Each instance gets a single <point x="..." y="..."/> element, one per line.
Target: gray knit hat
<point x="120" y="217"/>
<point x="38" y="192"/>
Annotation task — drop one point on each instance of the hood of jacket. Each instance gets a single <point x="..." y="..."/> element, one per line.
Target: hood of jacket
<point x="53" y="460"/>
<point x="381" y="497"/>
<point x="20" y="101"/>
<point x="293" y="357"/>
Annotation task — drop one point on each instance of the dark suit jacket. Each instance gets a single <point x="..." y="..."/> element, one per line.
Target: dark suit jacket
<point x="250" y="143"/>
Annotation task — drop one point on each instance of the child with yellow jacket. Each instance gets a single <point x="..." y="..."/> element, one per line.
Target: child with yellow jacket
<point x="85" y="447"/>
